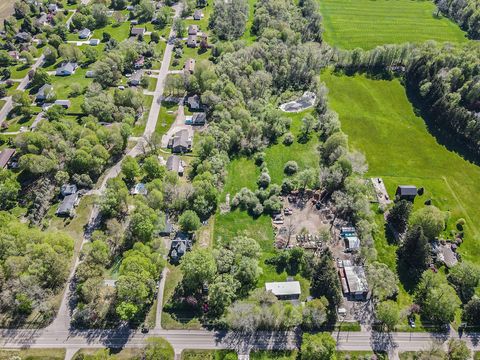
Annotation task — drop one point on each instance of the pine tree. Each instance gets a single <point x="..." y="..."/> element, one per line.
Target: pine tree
<point x="415" y="250"/>
<point x="399" y="214"/>
<point x="325" y="280"/>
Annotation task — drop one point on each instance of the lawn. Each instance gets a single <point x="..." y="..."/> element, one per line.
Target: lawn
<point x="360" y="355"/>
<point x="305" y="154"/>
<point x="118" y="32"/>
<point x="247" y="35"/>
<point x="32" y="354"/>
<point x="195" y="53"/>
<point x="139" y="127"/>
<point x="380" y="122"/>
<point x="277" y="355"/>
<point x="6" y="9"/>
<point x="166" y="117"/>
<point x="62" y="87"/>
<point x="115" y="354"/>
<point x="366" y="24"/>
<point x="19" y="71"/>
<point x="206" y="354"/>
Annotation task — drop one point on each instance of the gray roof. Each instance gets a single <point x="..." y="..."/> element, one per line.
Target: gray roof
<point x="192" y="40"/>
<point x="67" y="205"/>
<point x="68" y="189"/>
<point x="42" y="92"/>
<point x="194" y="102"/>
<point x="190" y="65"/>
<point x="136" y="77"/>
<point x="137" y="31"/>
<point x="68" y="67"/>
<point x="84" y="33"/>
<point x="199" y="118"/>
<point x="356" y="279"/>
<point x="181" y="139"/>
<point x="5" y="156"/>
<point x="408" y="190"/>
<point x="192" y="30"/>
<point x="173" y="163"/>
<point x="197" y="15"/>
<point x="62" y="103"/>
<point x="284" y="288"/>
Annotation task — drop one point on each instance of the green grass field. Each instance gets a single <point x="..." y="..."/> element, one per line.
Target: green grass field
<point x="381" y="122"/>
<point x="32" y="354"/>
<point x="206" y="354"/>
<point x="166" y="117"/>
<point x="365" y="23"/>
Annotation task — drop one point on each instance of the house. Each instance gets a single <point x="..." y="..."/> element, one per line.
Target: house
<point x="349" y="235"/>
<point x="197" y="15"/>
<point x="63" y="103"/>
<point x="180" y="245"/>
<point x="286" y="290"/>
<point x="90" y="74"/>
<point x="135" y="31"/>
<point x="193" y="30"/>
<point x="66" y="69"/>
<point x="84" y="33"/>
<point x="5" y="157"/>
<point x="194" y="103"/>
<point x="42" y="20"/>
<point x="192" y="41"/>
<point x="94" y="42"/>
<point x="181" y="142"/>
<point x="354" y="281"/>
<point x="68" y="189"/>
<point x="139" y="189"/>
<point x="44" y="93"/>
<point x="138" y="64"/>
<point x="406" y="192"/>
<point x="199" y="119"/>
<point x="190" y="65"/>
<point x="135" y="79"/>
<point x="52" y="8"/>
<point x="174" y="163"/>
<point x="67" y="206"/>
<point x="14" y="55"/>
<point x="23" y="37"/>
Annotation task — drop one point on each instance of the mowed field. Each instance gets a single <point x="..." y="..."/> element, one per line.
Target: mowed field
<point x="367" y="23"/>
<point x="6" y="9"/>
<point x="380" y="121"/>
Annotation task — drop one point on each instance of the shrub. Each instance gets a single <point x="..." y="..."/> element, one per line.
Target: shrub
<point x="288" y="139"/>
<point x="290" y="168"/>
<point x="259" y="158"/>
<point x="263" y="180"/>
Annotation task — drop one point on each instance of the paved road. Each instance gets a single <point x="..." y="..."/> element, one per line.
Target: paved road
<point x="23" y="84"/>
<point x="157" y="97"/>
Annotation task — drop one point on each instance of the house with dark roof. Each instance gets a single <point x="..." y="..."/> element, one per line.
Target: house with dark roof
<point x="14" y="55"/>
<point x="199" y="119"/>
<point x="84" y="33"/>
<point x="44" y="93"/>
<point x="5" y="157"/>
<point x="66" y="69"/>
<point x="53" y="8"/>
<point x="139" y="62"/>
<point x="190" y="66"/>
<point x="41" y="20"/>
<point x="94" y="42"/>
<point x="193" y="103"/>
<point x="23" y="37"/>
<point x="180" y="245"/>
<point x="135" y="31"/>
<point x="175" y="163"/>
<point x="135" y="79"/>
<point x="192" y="41"/>
<point x="406" y="192"/>
<point x="181" y="142"/>
<point x="67" y="206"/>
<point x="197" y="15"/>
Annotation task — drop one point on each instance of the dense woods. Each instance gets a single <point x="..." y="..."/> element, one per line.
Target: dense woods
<point x="465" y="12"/>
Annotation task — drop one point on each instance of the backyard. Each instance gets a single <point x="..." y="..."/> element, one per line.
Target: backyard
<point x="363" y="23"/>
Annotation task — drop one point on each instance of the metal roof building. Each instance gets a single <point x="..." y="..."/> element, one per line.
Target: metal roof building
<point x="284" y="290"/>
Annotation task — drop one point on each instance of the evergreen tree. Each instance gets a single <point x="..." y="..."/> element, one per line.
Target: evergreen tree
<point x="415" y="250"/>
<point x="399" y="214"/>
<point x="325" y="280"/>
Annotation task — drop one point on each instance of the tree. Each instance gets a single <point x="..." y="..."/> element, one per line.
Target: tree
<point x="158" y="349"/>
<point x="438" y="300"/>
<point x="9" y="188"/>
<point x="100" y="14"/>
<point x="179" y="27"/>
<point x="114" y="200"/>
<point x="458" y="350"/>
<point x="315" y="314"/>
<point x="290" y="168"/>
<point x="127" y="311"/>
<point x="325" y="280"/>
<point x="229" y="19"/>
<point x="464" y="277"/>
<point x="471" y="312"/>
<point x="221" y="294"/>
<point x="130" y="169"/>
<point x="153" y="169"/>
<point x="119" y="4"/>
<point x="91" y="54"/>
<point x="40" y="78"/>
<point x="320" y="346"/>
<point x="145" y="10"/>
<point x="381" y="280"/>
<point x="263" y="180"/>
<point x="189" y="221"/>
<point x="415" y="250"/>
<point x="335" y="147"/>
<point x="431" y="219"/>
<point x="388" y="314"/>
<point x="50" y="54"/>
<point x="198" y="268"/>
<point x="399" y="214"/>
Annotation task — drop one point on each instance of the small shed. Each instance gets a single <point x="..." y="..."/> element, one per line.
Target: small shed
<point x="139" y="189"/>
<point x="94" y="42"/>
<point x="90" y="74"/>
<point x="5" y="157"/>
<point x="406" y="192"/>
<point x="63" y="103"/>
<point x="286" y="290"/>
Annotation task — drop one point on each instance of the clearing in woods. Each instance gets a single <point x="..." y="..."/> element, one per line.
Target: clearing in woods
<point x="364" y="23"/>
